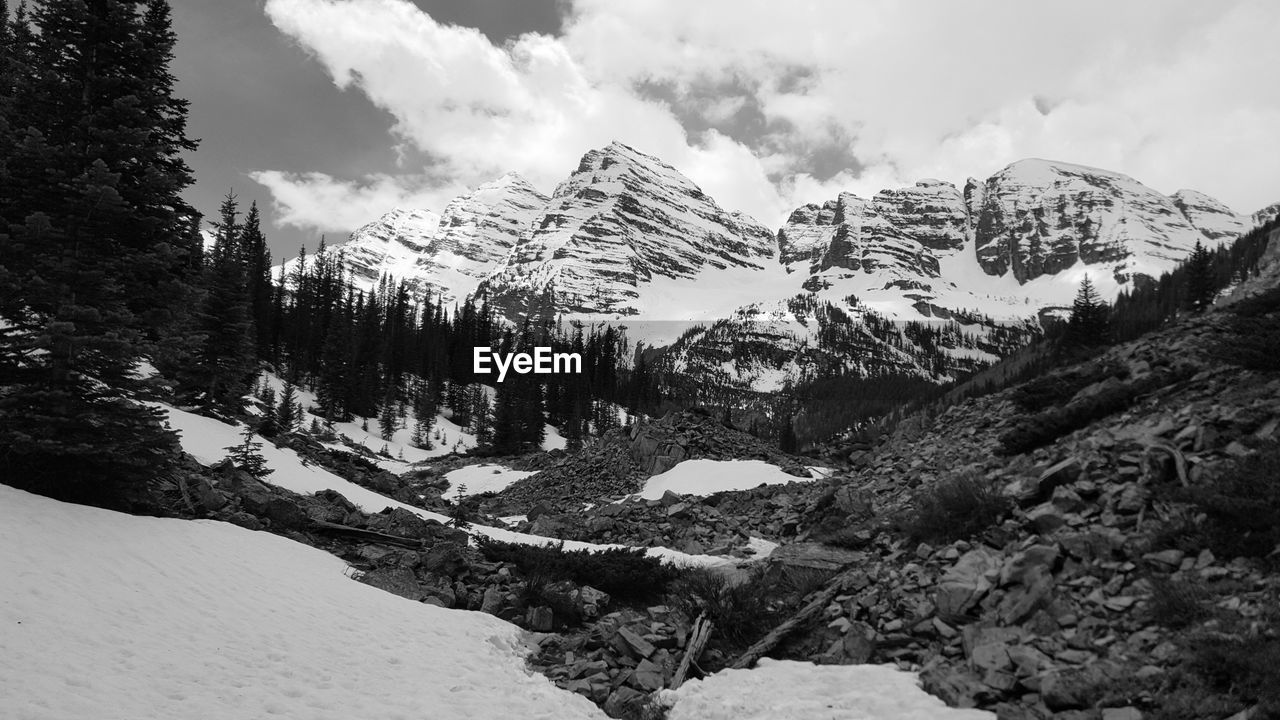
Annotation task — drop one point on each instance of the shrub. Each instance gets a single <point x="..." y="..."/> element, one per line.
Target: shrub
<point x="1177" y="603"/>
<point x="1246" y="666"/>
<point x="1057" y="388"/>
<point x="1045" y="427"/>
<point x="1253" y="339"/>
<point x="955" y="508"/>
<point x="626" y="574"/>
<point x="741" y="611"/>
<point x="1243" y="506"/>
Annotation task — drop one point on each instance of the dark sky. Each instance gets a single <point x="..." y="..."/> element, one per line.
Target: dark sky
<point x="259" y="102"/>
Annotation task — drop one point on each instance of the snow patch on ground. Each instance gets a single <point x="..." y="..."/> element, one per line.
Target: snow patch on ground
<point x="112" y="616"/>
<point x="788" y="690"/>
<point x="206" y="440"/>
<point x="706" y="477"/>
<point x="484" y="478"/>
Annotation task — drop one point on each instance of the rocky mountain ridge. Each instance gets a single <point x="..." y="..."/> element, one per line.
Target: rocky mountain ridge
<point x="627" y="239"/>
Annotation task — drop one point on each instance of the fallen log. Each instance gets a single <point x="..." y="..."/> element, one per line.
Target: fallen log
<point x="815" y="606"/>
<point x="371" y="535"/>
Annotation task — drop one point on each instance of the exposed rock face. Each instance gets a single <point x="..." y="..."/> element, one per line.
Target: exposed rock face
<point x="1214" y="220"/>
<point x="1038" y="217"/>
<point x="622" y="220"/>
<point x="898" y="234"/>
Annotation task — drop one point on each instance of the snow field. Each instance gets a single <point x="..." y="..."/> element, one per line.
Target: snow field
<point x="483" y="478"/>
<point x="707" y="477"/>
<point x="112" y="616"/>
<point x="788" y="690"/>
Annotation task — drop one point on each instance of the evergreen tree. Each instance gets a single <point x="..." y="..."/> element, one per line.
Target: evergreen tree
<point x="256" y="261"/>
<point x="289" y="411"/>
<point x="481" y="417"/>
<point x="388" y="421"/>
<point x="247" y="456"/>
<point x="460" y="515"/>
<point x="1089" y="325"/>
<point x="226" y="363"/>
<point x="1201" y="287"/>
<point x="92" y="230"/>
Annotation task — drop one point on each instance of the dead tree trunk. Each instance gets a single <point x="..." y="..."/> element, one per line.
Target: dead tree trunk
<point x="697" y="641"/>
<point x="815" y="606"/>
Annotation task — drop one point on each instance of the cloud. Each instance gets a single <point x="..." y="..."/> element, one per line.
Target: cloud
<point x="767" y="105"/>
<point x="322" y="202"/>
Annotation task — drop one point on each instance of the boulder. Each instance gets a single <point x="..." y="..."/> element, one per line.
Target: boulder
<point x="395" y="580"/>
<point x="445" y="558"/>
<point x="284" y="513"/>
<point x="814" y="556"/>
<point x="965" y="584"/>
<point x="1026" y="565"/>
<point x="1061" y="473"/>
<point x="493" y="601"/>
<point x="1046" y="518"/>
<point x="624" y="702"/>
<point x="1074" y="688"/>
<point x="539" y="618"/>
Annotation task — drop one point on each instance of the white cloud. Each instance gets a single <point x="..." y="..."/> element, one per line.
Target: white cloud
<point x="323" y="202"/>
<point x="1173" y="92"/>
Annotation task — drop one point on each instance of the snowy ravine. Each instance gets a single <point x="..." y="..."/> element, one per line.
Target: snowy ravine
<point x="117" y="617"/>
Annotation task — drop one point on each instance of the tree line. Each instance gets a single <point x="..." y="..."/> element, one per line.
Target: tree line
<point x="107" y="291"/>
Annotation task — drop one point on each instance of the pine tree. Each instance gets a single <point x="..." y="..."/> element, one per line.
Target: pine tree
<point x="1201" y="287"/>
<point x="460" y="515"/>
<point x="92" y="226"/>
<point x="388" y="421"/>
<point x="289" y="411"/>
<point x="247" y="456"/>
<point x="1089" y="324"/>
<point x="256" y="261"/>
<point x="225" y="364"/>
<point x="481" y="416"/>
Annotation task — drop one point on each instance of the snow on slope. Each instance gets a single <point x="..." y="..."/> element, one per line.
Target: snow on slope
<point x="788" y="690"/>
<point x="484" y="478"/>
<point x="206" y="440"/>
<point x="446" y="436"/>
<point x="118" y="617"/>
<point x="706" y="477"/>
<point x="112" y="616"/>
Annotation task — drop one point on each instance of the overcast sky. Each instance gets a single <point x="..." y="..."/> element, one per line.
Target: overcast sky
<point x="332" y="112"/>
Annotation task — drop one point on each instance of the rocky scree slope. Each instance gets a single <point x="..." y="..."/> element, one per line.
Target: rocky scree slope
<point x="1063" y="607"/>
<point x="619" y="463"/>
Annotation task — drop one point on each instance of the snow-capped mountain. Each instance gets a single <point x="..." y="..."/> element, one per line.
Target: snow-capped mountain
<point x="1038" y="218"/>
<point x="620" y="229"/>
<point x="448" y="254"/>
<point x="930" y="280"/>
